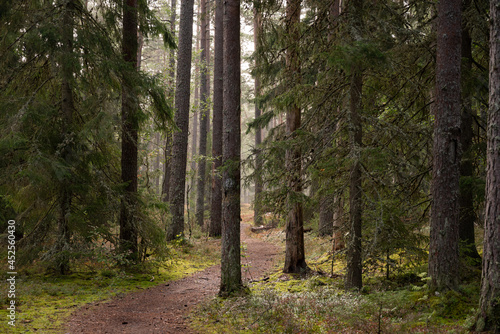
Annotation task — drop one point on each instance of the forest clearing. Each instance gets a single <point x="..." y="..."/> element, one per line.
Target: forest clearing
<point x="250" y="166"/>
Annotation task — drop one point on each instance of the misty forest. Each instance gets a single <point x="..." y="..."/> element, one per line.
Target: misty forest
<point x="227" y="166"/>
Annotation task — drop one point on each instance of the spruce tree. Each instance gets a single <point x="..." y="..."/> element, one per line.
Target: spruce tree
<point x="180" y="138"/>
<point x="216" y="201"/>
<point x="230" y="247"/>
<point x="294" y="254"/>
<point x="489" y="304"/>
<point x="443" y="248"/>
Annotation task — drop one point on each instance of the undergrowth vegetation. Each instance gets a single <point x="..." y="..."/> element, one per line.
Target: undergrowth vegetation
<point x="316" y="302"/>
<point x="45" y="301"/>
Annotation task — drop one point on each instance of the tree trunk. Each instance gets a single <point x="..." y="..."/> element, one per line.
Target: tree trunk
<point x="130" y="128"/>
<point x="180" y="138"/>
<point x="204" y="117"/>
<point x="157" y="163"/>
<point x="489" y="304"/>
<point x="327" y="202"/>
<point x="354" y="276"/>
<point x="168" y="141"/>
<point x="230" y="248"/>
<point x="338" y="222"/>
<point x="194" y="139"/>
<point x="216" y="205"/>
<point x="354" y="279"/>
<point x="140" y="44"/>
<point x="467" y="213"/>
<point x="167" y="168"/>
<point x="171" y="57"/>
<point x="325" y="225"/>
<point x="258" y="214"/>
<point x="67" y="108"/>
<point x="295" y="261"/>
<point x="443" y="248"/>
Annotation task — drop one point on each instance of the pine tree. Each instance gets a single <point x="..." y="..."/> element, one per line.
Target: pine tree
<point x="67" y="110"/>
<point x="466" y="201"/>
<point x="257" y="32"/>
<point x="354" y="245"/>
<point x="294" y="253"/>
<point x="216" y="203"/>
<point x="180" y="138"/>
<point x="443" y="248"/>
<point x="130" y="128"/>
<point x="230" y="248"/>
<point x="168" y="141"/>
<point x="204" y="113"/>
<point x="327" y="203"/>
<point x="489" y="304"/>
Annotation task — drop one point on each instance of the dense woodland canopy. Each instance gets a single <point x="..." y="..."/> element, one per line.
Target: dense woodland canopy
<point x="125" y="125"/>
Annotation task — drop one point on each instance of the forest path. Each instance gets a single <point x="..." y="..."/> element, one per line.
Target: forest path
<point x="164" y="308"/>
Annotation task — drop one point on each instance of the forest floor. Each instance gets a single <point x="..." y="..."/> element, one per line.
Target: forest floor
<point x="179" y="294"/>
<point x="165" y="308"/>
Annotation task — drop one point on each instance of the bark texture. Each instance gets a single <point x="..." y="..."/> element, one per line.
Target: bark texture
<point x="130" y="128"/>
<point x="230" y="248"/>
<point x="204" y="116"/>
<point x="354" y="279"/>
<point x="180" y="138"/>
<point x="295" y="261"/>
<point x="467" y="212"/>
<point x="194" y="140"/>
<point x="168" y="142"/>
<point x="326" y="203"/>
<point x="489" y="309"/>
<point x="67" y="109"/>
<point x="165" y="191"/>
<point x="338" y="223"/>
<point x="325" y="225"/>
<point x="443" y="248"/>
<point x="216" y="205"/>
<point x="258" y="214"/>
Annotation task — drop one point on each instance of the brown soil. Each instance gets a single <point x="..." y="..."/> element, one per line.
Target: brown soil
<point x="165" y="308"/>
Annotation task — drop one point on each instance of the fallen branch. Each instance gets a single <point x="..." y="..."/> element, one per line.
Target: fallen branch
<point x="260" y="228"/>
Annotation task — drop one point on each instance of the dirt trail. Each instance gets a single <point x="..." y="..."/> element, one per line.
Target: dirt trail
<point x="164" y="308"/>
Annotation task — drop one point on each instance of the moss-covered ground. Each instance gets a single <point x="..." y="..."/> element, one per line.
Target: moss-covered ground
<point x="45" y="301"/>
<point x="316" y="302"/>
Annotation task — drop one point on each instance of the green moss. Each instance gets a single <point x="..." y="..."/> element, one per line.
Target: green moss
<point x="317" y="303"/>
<point x="45" y="301"/>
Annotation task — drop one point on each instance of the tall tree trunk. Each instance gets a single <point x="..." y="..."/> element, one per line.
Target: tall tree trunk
<point x="230" y="248"/>
<point x="295" y="261"/>
<point x="354" y="277"/>
<point x="443" y="248"/>
<point x="326" y="203"/>
<point x="326" y="208"/>
<point x="216" y="205"/>
<point x="67" y="108"/>
<point x="204" y="117"/>
<point x="171" y="57"/>
<point x="167" y="168"/>
<point x="130" y="128"/>
<point x="338" y="222"/>
<point x="467" y="213"/>
<point x="156" y="167"/>
<point x="194" y="139"/>
<point x="180" y="138"/>
<point x="140" y="44"/>
<point x="171" y="74"/>
<point x="258" y="214"/>
<point x="489" y="304"/>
